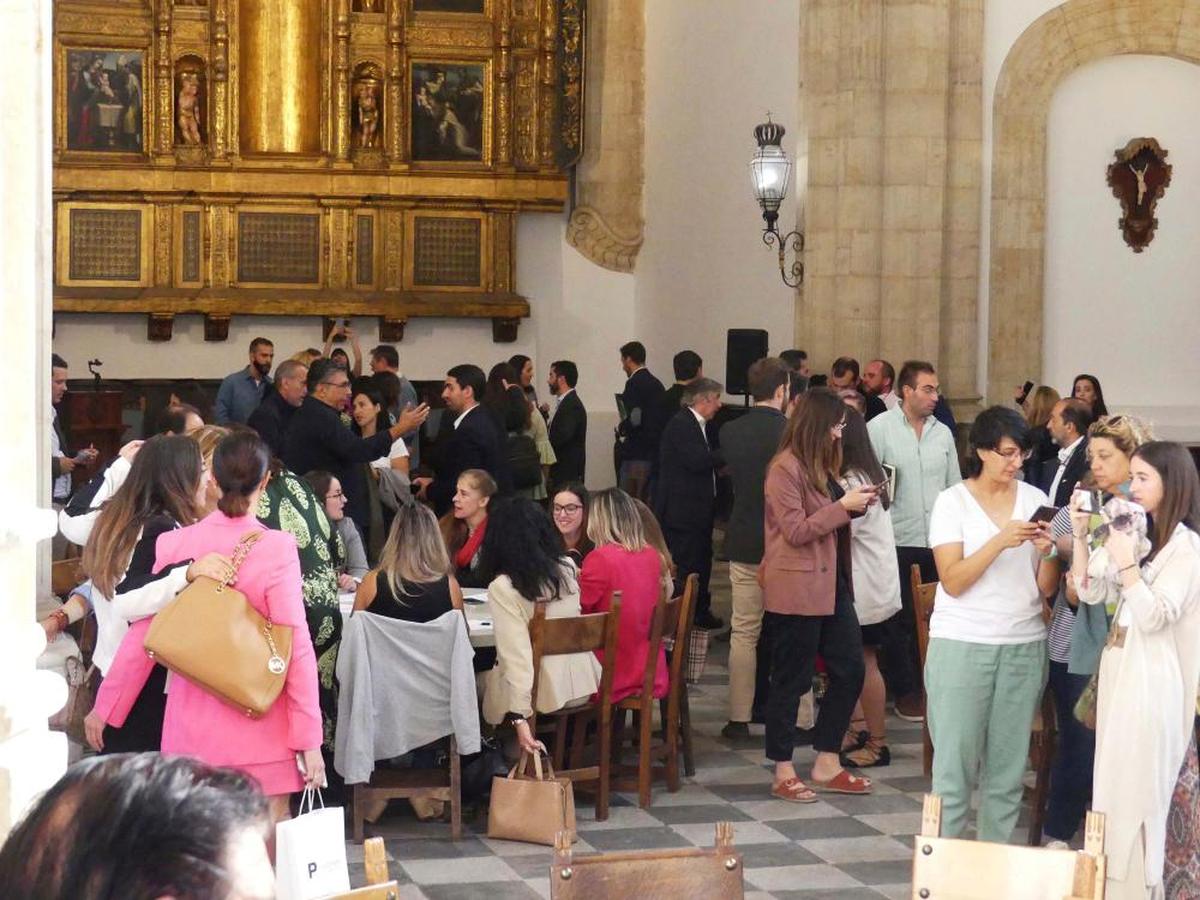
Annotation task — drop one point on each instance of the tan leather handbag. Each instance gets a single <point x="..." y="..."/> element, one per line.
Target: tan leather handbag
<point x="533" y="810"/>
<point x="212" y="636"/>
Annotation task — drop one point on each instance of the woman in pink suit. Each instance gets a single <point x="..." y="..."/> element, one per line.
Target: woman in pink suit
<point x="624" y="561"/>
<point x="196" y="722"/>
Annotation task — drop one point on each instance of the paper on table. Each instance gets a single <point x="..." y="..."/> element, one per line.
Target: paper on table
<point x="475" y="595"/>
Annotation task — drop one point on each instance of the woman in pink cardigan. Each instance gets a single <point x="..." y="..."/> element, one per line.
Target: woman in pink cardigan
<point x="196" y="722"/>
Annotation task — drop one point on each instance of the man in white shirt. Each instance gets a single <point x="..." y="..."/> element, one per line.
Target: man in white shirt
<point x="1068" y="426"/>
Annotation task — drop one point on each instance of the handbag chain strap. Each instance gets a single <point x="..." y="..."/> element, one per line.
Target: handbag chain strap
<point x="276" y="664"/>
<point x="240" y="552"/>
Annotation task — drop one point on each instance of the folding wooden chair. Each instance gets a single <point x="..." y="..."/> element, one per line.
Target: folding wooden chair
<point x="955" y="869"/>
<point x="579" y="634"/>
<point x="380" y="885"/>
<point x="695" y="873"/>
<point x="1043" y="738"/>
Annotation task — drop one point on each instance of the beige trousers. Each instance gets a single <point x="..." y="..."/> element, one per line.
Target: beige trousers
<point x="746" y="626"/>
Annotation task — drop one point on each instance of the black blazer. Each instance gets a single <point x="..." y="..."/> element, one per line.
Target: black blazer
<point x="1077" y="467"/>
<point x="475" y="444"/>
<point x="684" y="491"/>
<point x="271" y="419"/>
<point x="317" y="439"/>
<point x="748" y="444"/>
<point x="643" y="398"/>
<point x="568" y="437"/>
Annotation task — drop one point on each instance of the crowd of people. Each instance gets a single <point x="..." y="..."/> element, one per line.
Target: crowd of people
<point x="1065" y="543"/>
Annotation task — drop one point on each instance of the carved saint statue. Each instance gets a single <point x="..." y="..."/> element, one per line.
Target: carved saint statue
<point x="366" y="99"/>
<point x="188" y="108"/>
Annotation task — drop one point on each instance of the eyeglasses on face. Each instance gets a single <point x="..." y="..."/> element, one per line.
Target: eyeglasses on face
<point x="337" y="384"/>
<point x="1013" y="453"/>
<point x="334" y="495"/>
<point x="568" y="509"/>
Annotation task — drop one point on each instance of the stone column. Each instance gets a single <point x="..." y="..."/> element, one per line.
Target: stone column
<point x="31" y="758"/>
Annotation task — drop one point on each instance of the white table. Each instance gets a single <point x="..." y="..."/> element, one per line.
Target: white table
<point x="476" y="606"/>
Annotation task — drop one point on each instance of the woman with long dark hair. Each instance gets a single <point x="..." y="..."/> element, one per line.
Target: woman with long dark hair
<point x="198" y="723"/>
<point x="876" y="592"/>
<point x="808" y="595"/>
<point x="370" y="414"/>
<point x="569" y="508"/>
<point x="164" y="490"/>
<point x="1087" y="388"/>
<point x="522" y="367"/>
<point x="525" y="552"/>
<point x="1150" y="667"/>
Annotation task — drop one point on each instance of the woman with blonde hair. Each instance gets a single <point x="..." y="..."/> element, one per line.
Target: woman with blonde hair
<point x="412" y="582"/>
<point x="625" y="561"/>
<point x="1037" y="409"/>
<point x="465" y="526"/>
<point x="656" y="539"/>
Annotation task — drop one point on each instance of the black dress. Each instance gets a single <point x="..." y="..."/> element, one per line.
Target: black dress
<point x="419" y="602"/>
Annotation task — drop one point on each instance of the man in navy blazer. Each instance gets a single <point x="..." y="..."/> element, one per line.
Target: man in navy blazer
<point x="639" y="432"/>
<point x="1068" y="426"/>
<point x="568" y="425"/>
<point x="685" y="490"/>
<point x="476" y="443"/>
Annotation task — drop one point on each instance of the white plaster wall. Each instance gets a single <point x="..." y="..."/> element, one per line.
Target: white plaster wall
<point x="1130" y="319"/>
<point x="714" y="68"/>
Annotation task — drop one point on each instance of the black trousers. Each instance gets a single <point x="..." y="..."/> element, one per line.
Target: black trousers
<point x="899" y="658"/>
<point x="1071" y="778"/>
<point x="142" y="731"/>
<point x="795" y="642"/>
<point x="692" y="550"/>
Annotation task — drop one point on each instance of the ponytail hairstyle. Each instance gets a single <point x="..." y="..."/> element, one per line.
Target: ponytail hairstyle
<point x="240" y="463"/>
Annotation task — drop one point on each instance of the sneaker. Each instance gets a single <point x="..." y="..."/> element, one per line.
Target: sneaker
<point x="736" y="730"/>
<point x="1057" y="845"/>
<point x="708" y="621"/>
<point x="911" y="708"/>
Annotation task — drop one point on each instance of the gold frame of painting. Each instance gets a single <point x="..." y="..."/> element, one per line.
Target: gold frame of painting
<point x="486" y="277"/>
<point x="324" y="240"/>
<point x="99" y="44"/>
<point x="62" y="250"/>
<point x="486" y="159"/>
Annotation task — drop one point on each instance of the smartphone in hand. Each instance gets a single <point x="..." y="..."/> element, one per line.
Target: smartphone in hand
<point x="1043" y="514"/>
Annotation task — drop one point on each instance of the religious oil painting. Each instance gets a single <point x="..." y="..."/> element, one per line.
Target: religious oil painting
<point x="105" y="101"/>
<point x="447" y="112"/>
<point x="450" y="6"/>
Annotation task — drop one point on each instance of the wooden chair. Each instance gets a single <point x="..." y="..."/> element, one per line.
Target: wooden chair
<point x="695" y="873"/>
<point x="679" y="623"/>
<point x="380" y="885"/>
<point x="65" y="574"/>
<point x="1043" y="738"/>
<point x="975" y="870"/>
<point x="579" y="634"/>
<point x="392" y="784"/>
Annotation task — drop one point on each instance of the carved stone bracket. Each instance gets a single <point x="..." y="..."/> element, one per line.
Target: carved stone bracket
<point x="504" y="331"/>
<point x="158" y="326"/>
<point x="588" y="233"/>
<point x="216" y="328"/>
<point x="391" y="331"/>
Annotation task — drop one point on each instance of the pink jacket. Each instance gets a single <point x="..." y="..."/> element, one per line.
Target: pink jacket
<point x="197" y="723"/>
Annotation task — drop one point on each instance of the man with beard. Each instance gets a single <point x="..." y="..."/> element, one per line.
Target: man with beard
<point x="242" y="391"/>
<point x="568" y="425"/>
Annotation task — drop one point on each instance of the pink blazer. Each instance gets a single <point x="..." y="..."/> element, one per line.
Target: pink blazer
<point x="636" y="575"/>
<point x="801" y="528"/>
<point x="196" y="723"/>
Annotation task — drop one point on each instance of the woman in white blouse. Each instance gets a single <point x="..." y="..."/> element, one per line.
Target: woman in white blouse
<point x="1150" y="667"/>
<point x="986" y="665"/>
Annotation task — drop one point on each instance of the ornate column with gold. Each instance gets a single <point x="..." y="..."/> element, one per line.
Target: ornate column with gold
<point x="394" y="110"/>
<point x="549" y="43"/>
<point x="219" y="132"/>
<point x="504" y="75"/>
<point x="162" y="79"/>
<point x="341" y="81"/>
<point x="279" y="76"/>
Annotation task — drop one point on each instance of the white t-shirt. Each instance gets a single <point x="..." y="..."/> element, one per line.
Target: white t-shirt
<point x="398" y="451"/>
<point x="1004" y="606"/>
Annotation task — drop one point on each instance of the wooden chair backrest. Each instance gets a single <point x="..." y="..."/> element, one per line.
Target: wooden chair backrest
<point x="695" y="873"/>
<point x="576" y="634"/>
<point x="923" y="593"/>
<point x="678" y="622"/>
<point x="946" y="867"/>
<point x="379" y="885"/>
<point x="657" y="629"/>
<point x="65" y="574"/>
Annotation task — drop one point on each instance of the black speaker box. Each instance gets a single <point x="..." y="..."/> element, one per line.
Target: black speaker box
<point x="743" y="346"/>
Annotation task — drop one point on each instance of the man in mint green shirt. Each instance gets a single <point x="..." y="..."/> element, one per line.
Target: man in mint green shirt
<point x="922" y="451"/>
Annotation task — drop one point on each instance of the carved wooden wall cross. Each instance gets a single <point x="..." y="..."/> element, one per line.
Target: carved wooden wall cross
<point x="1138" y="178"/>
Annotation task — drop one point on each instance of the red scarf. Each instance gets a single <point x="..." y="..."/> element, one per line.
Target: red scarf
<point x="462" y="559"/>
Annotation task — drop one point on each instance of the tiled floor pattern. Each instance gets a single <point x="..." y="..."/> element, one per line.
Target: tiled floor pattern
<point x="843" y="847"/>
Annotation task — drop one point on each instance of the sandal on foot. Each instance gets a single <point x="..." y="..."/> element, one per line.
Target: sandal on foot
<point x="794" y="791"/>
<point x="854" y="740"/>
<point x="842" y="783"/>
<point x="870" y="755"/>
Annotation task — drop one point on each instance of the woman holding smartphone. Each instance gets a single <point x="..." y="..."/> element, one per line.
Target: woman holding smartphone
<point x="1150" y="666"/>
<point x="986" y="664"/>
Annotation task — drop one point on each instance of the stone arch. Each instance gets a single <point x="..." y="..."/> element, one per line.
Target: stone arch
<point x="1067" y="37"/>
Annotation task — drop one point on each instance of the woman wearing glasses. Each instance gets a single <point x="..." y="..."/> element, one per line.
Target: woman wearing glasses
<point x="808" y="596"/>
<point x="1149" y="670"/>
<point x="986" y="664"/>
<point x="569" y="508"/>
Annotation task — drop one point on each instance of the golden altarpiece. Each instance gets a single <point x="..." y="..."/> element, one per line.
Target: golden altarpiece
<point x="307" y="157"/>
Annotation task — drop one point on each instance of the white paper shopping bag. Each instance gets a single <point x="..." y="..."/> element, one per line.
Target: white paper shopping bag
<point x="310" y="852"/>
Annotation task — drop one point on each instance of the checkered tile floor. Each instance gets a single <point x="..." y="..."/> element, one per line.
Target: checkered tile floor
<point x="843" y="847"/>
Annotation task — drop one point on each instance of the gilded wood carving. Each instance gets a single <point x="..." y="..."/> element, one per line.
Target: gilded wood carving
<point x="1138" y="178"/>
<point x="368" y="158"/>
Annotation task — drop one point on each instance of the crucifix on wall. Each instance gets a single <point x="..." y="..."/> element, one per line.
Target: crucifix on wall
<point x="1138" y="178"/>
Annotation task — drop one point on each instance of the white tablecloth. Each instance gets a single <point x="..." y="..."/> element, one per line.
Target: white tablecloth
<point x="476" y="605"/>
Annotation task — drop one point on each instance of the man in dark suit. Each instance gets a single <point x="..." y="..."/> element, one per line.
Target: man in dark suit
<point x="688" y="367"/>
<point x="748" y="444"/>
<point x="685" y="490"/>
<point x="1068" y="426"/>
<point x="317" y="439"/>
<point x="477" y="442"/>
<point x="283" y="398"/>
<point x="844" y="375"/>
<point x="568" y="425"/>
<point x="640" y="430"/>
